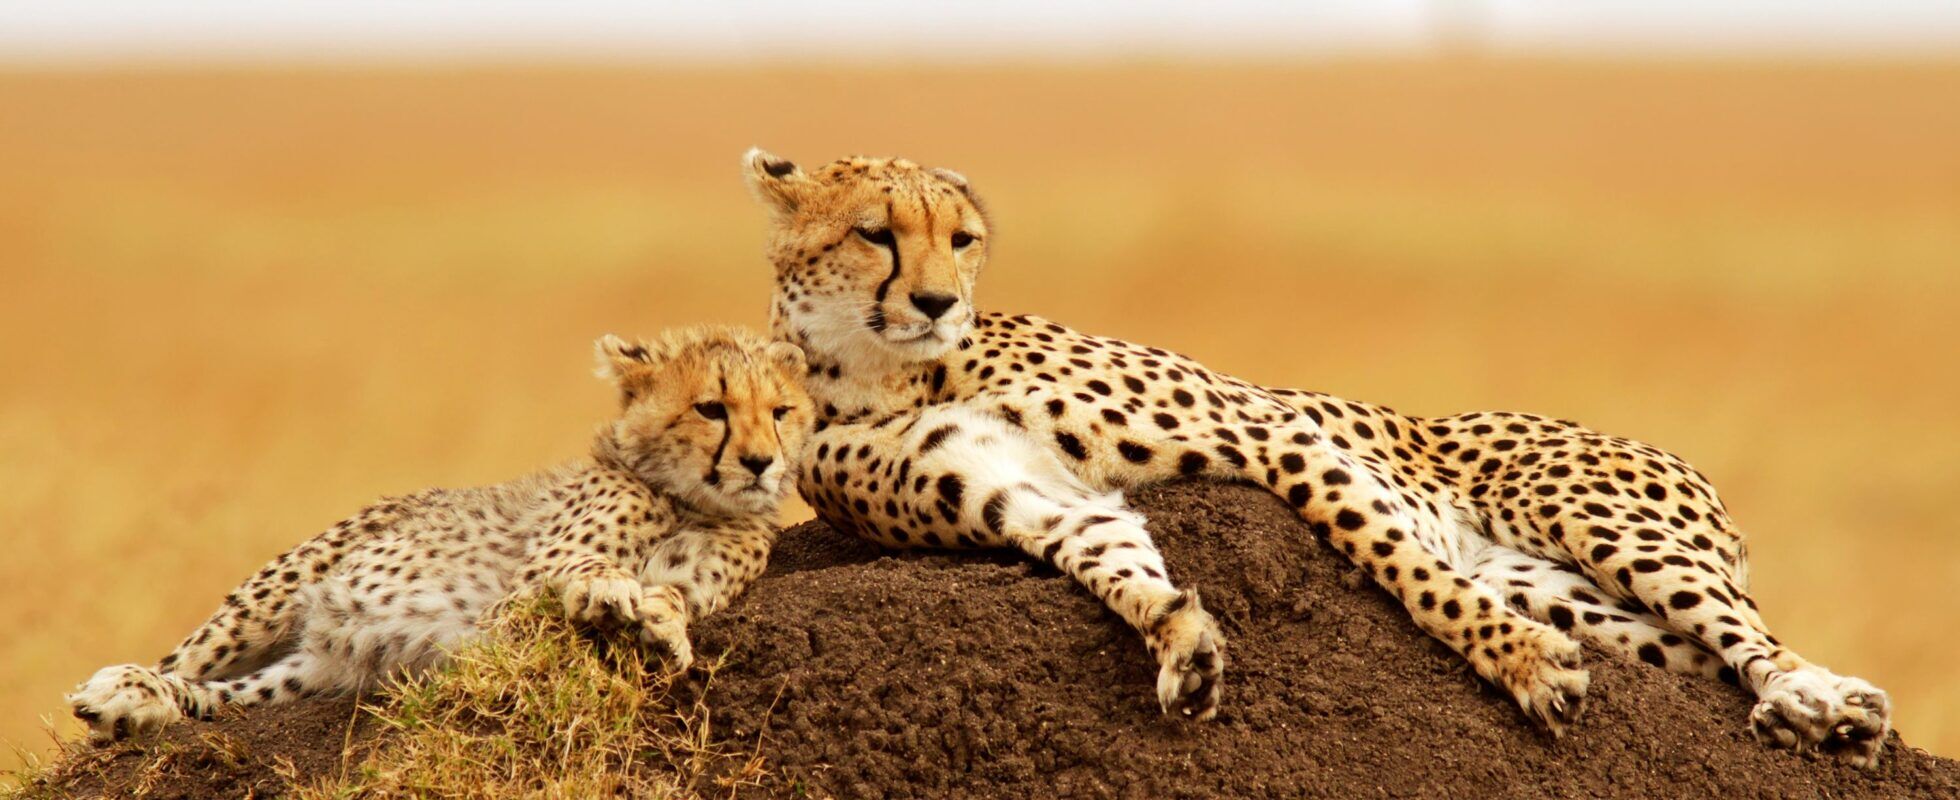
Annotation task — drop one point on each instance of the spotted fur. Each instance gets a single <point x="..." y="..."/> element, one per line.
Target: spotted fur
<point x="671" y="518"/>
<point x="1504" y="535"/>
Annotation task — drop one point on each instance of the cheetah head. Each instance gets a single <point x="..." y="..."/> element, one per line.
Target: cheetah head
<point x="875" y="257"/>
<point x="716" y="417"/>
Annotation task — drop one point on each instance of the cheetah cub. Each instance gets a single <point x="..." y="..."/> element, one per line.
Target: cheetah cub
<point x="671" y="518"/>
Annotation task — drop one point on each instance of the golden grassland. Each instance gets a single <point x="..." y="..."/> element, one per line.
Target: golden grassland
<point x="235" y="305"/>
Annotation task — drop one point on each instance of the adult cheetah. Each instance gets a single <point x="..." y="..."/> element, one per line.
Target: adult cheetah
<point x="671" y="518"/>
<point x="1503" y="534"/>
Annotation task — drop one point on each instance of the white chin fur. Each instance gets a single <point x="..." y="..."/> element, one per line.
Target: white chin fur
<point x="838" y="331"/>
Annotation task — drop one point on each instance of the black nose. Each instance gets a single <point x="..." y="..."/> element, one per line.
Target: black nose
<point x="933" y="303"/>
<point x="757" y="464"/>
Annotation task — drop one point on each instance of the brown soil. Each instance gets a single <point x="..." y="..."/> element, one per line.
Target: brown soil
<point x="256" y="754"/>
<point x="866" y="674"/>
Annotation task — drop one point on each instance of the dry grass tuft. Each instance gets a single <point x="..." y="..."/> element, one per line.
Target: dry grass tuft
<point x="539" y="709"/>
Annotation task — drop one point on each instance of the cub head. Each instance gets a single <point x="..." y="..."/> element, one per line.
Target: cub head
<point x="717" y="417"/>
<point x="875" y="257"/>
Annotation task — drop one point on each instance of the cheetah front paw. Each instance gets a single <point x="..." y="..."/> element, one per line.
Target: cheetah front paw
<point x="602" y="600"/>
<point x="663" y="626"/>
<point x="123" y="701"/>
<point x="668" y="639"/>
<point x="1543" y="675"/>
<point x="1811" y="710"/>
<point x="1190" y="650"/>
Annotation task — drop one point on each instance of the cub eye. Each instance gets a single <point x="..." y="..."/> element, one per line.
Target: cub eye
<point x="961" y="239"/>
<point x="878" y="236"/>
<point x="712" y="409"/>
<point x="780" y="412"/>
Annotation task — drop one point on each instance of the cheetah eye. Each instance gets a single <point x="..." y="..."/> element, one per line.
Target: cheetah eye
<point x="961" y="239"/>
<point x="878" y="236"/>
<point x="780" y="412"/>
<point x="713" y="409"/>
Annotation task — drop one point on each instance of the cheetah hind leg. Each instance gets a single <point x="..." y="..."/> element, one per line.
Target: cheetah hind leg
<point x="128" y="700"/>
<point x="1811" y="709"/>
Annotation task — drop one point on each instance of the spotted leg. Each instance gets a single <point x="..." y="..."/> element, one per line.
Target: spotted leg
<point x="961" y="478"/>
<point x="129" y="700"/>
<point x="1696" y="591"/>
<point x="1408" y="551"/>
<point x="694" y="573"/>
<point x="1556" y="593"/>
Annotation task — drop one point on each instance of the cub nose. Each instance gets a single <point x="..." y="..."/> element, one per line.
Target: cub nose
<point x="933" y="303"/>
<point x="757" y="464"/>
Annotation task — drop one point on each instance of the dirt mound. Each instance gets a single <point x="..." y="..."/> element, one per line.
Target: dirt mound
<point x="942" y="675"/>
<point x="866" y="674"/>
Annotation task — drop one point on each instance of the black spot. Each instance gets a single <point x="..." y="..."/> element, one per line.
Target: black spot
<point x="1646" y="565"/>
<point x="1682" y="601"/>
<point x="1134" y="452"/>
<point x="1335" y="477"/>
<point x="1561" y="617"/>
<point x="1183" y="398"/>
<point x="1299" y="495"/>
<point x="1651" y="653"/>
<point x="1349" y="519"/>
<point x="777" y="169"/>
<point x="1192" y="463"/>
<point x="1099" y="387"/>
<point x="1071" y="445"/>
<point x="934" y="439"/>
<point x="1384" y="549"/>
<point x="1452" y="609"/>
<point x="951" y="488"/>
<point x="1231" y="454"/>
<point x="1293" y="463"/>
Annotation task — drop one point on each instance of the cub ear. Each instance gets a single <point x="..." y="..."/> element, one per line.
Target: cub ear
<point x="789" y="357"/>
<point x="954" y="178"/>
<point x="775" y="180"/>
<point x="618" y="357"/>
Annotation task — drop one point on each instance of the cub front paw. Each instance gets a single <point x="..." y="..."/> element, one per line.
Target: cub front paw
<point x="663" y="627"/>
<point x="124" y="701"/>
<point x="602" y="600"/>
<point x="1190" y="652"/>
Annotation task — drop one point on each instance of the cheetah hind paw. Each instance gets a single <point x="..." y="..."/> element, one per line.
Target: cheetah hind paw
<point x="123" y="701"/>
<point x="1191" y="651"/>
<point x="1811" y="710"/>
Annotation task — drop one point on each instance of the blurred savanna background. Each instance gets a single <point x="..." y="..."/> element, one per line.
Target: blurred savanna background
<point x="260" y="265"/>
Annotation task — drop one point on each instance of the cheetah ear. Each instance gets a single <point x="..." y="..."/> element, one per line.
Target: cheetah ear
<point x="951" y="177"/>
<point x="958" y="181"/>
<point x="787" y="356"/>
<point x="775" y="180"/>
<point x="618" y="357"/>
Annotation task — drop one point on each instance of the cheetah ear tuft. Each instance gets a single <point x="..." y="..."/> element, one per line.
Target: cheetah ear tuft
<point x="788" y="357"/>
<point x="775" y="180"/>
<point x="618" y="357"/>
